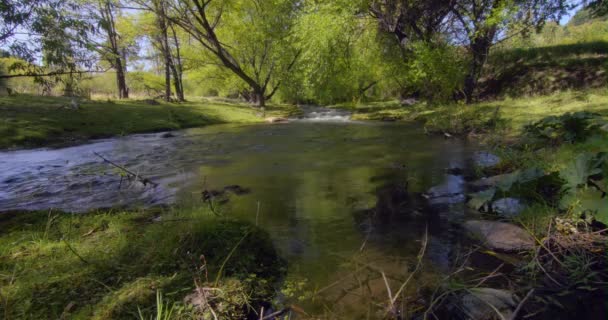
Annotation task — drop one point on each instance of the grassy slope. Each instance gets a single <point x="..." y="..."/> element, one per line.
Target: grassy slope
<point x="544" y="70"/>
<point x="34" y="121"/>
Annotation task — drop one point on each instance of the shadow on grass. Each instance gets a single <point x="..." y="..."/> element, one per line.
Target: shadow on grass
<point x="543" y="70"/>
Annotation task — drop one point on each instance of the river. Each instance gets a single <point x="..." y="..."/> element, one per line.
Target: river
<point x="334" y="194"/>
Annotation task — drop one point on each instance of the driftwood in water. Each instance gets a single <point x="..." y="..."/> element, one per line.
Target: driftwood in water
<point x="130" y="174"/>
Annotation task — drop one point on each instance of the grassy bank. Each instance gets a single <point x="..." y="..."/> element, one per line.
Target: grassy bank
<point x="512" y="113"/>
<point x="112" y="264"/>
<point x="30" y="121"/>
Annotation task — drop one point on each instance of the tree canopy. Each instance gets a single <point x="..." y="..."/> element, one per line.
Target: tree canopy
<point x="295" y="51"/>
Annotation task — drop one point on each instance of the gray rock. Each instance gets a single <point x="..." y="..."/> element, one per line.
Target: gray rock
<point x="485" y="159"/>
<point x="483" y="304"/>
<point x="409" y="102"/>
<point x="508" y="207"/>
<point x="485" y="183"/>
<point x="500" y="236"/>
<point x="453" y="184"/>
<point x="451" y="191"/>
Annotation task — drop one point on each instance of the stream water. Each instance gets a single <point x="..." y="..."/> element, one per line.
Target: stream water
<point x="333" y="194"/>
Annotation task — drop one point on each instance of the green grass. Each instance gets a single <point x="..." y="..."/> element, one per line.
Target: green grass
<point x="458" y="119"/>
<point x="515" y="112"/>
<point x="110" y="265"/>
<point x="28" y="121"/>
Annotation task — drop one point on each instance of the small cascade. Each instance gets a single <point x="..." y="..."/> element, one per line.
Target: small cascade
<point x="323" y="114"/>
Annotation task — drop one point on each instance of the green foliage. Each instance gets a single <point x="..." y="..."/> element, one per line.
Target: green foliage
<point x="436" y="71"/>
<point x="569" y="127"/>
<point x="586" y="181"/>
<point x="342" y="61"/>
<point x="532" y="185"/>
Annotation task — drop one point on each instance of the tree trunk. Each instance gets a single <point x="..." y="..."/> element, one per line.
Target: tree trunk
<point x="176" y="84"/>
<point x="480" y="48"/>
<point x="164" y="48"/>
<point x="121" y="83"/>
<point x="167" y="79"/>
<point x="260" y="101"/>
<point x="118" y="62"/>
<point x="177" y="67"/>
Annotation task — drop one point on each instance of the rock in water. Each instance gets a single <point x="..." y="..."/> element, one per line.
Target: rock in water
<point x="490" y="182"/>
<point x="451" y="191"/>
<point x="485" y="303"/>
<point x="485" y="159"/>
<point x="508" y="207"/>
<point x="74" y="105"/>
<point x="500" y="236"/>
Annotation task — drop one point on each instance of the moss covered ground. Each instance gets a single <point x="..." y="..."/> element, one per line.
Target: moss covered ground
<point x="115" y="264"/>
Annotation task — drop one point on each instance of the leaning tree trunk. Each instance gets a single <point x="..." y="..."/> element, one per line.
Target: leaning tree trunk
<point x="179" y="90"/>
<point x="167" y="79"/>
<point x="177" y="67"/>
<point x="118" y="62"/>
<point x="121" y="83"/>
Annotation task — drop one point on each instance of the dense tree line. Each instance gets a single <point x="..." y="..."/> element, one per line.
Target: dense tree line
<point x="296" y="51"/>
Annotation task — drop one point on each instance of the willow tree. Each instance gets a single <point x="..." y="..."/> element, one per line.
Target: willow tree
<point x="251" y="39"/>
<point x="340" y="59"/>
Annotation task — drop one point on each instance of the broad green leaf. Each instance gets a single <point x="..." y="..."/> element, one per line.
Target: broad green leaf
<point x="578" y="171"/>
<point x="519" y="176"/>
<point x="591" y="202"/>
<point x="481" y="199"/>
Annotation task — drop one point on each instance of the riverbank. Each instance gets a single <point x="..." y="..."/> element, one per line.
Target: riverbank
<point x="116" y="264"/>
<point x="33" y="121"/>
<point x="480" y="117"/>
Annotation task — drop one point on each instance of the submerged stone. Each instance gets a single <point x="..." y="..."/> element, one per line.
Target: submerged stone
<point x="486" y="303"/>
<point x="451" y="191"/>
<point x="486" y="183"/>
<point x="500" y="236"/>
<point x="508" y="207"/>
<point x="485" y="159"/>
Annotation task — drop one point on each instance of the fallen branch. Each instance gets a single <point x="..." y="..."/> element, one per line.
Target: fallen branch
<point x="521" y="304"/>
<point x="130" y="173"/>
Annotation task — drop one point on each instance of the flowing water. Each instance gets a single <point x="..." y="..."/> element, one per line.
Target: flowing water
<point x="334" y="195"/>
